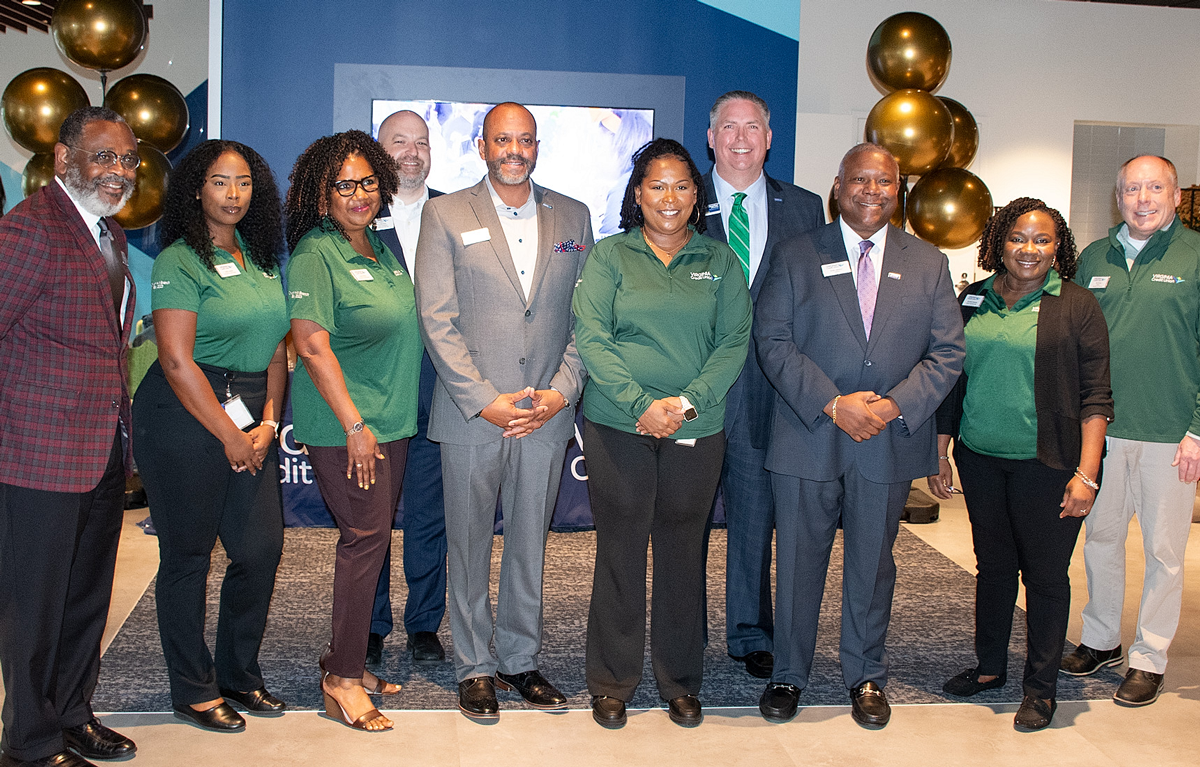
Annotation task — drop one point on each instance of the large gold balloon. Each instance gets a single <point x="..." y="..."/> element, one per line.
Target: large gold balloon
<point x="915" y="127"/>
<point x="909" y="50"/>
<point x="966" y="136"/>
<point x="949" y="207"/>
<point x="35" y="104"/>
<point x="153" y="107"/>
<point x="99" y="34"/>
<point x="39" y="171"/>
<point x="146" y="205"/>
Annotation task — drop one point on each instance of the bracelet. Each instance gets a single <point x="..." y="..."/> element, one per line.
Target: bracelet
<point x="1085" y="479"/>
<point x="943" y="458"/>
<point x="273" y="424"/>
<point x="833" y="409"/>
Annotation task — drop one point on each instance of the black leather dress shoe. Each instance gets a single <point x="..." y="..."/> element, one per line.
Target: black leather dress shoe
<point x="778" y="702"/>
<point x="258" y="702"/>
<point x="967" y="684"/>
<point x="219" y="718"/>
<point x="374" y="649"/>
<point x="1035" y="713"/>
<point x="685" y="711"/>
<point x="477" y="698"/>
<point x="533" y="687"/>
<point x="426" y="648"/>
<point x="93" y="740"/>
<point x="1140" y="688"/>
<point x="1084" y="660"/>
<point x="869" y="706"/>
<point x="759" y="664"/>
<point x="608" y="712"/>
<point x="61" y="759"/>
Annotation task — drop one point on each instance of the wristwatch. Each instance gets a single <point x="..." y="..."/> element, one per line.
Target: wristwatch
<point x="689" y="412"/>
<point x="355" y="428"/>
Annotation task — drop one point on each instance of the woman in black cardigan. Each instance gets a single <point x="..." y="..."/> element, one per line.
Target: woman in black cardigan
<point x="1028" y="418"/>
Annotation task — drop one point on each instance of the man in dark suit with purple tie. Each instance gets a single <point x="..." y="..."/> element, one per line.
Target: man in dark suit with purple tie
<point x="66" y="306"/>
<point x="405" y="136"/>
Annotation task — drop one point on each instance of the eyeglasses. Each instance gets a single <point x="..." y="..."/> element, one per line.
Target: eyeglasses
<point x="107" y="158"/>
<point x="346" y="188"/>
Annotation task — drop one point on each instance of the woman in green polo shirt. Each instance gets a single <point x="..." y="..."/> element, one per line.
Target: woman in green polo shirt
<point x="1028" y="418"/>
<point x="662" y="323"/>
<point x="354" y="394"/>
<point x="204" y="425"/>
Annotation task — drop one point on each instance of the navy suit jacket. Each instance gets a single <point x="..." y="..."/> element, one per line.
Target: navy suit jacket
<point x="392" y="241"/>
<point x="790" y="211"/>
<point x="812" y="347"/>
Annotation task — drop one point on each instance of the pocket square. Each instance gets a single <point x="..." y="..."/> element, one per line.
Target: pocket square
<point x="568" y="246"/>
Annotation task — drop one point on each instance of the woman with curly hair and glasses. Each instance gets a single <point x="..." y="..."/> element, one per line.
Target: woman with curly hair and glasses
<point x="205" y="420"/>
<point x="662" y="323"/>
<point x="354" y="395"/>
<point x="1028" y="418"/>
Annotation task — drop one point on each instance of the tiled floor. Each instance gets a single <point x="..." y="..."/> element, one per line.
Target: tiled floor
<point x="1093" y="734"/>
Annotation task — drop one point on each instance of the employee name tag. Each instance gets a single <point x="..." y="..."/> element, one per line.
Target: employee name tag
<point x="1036" y="309"/>
<point x="714" y="209"/>
<point x="686" y="442"/>
<point x="476" y="235"/>
<point x="837" y="267"/>
<point x="237" y="411"/>
<point x="893" y="275"/>
<point x="1099" y="282"/>
<point x="384" y="222"/>
<point x="228" y="270"/>
<point x="973" y="300"/>
<point x="362" y="275"/>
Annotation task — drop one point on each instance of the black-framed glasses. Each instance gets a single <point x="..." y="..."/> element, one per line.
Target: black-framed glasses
<point x="107" y="158"/>
<point x="346" y="187"/>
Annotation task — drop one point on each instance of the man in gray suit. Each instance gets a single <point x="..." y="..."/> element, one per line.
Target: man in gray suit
<point x="752" y="212"/>
<point x="858" y="331"/>
<point x="496" y="267"/>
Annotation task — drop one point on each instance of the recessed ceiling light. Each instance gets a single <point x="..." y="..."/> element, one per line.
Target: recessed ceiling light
<point x="31" y="2"/>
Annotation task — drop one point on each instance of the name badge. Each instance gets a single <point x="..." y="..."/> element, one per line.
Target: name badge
<point x="893" y="275"/>
<point x="384" y="222"/>
<point x="228" y="270"/>
<point x="237" y="411"/>
<point x="975" y="301"/>
<point x="476" y="235"/>
<point x="714" y="209"/>
<point x="837" y="267"/>
<point x="362" y="275"/>
<point x="1099" y="283"/>
<point x="1036" y="309"/>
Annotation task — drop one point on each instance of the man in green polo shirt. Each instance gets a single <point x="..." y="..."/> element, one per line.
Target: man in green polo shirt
<point x="1146" y="275"/>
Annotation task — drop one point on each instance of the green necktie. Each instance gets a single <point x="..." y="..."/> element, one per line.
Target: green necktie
<point x="739" y="233"/>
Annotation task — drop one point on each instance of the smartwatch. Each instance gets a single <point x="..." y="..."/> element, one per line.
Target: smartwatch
<point x="689" y="412"/>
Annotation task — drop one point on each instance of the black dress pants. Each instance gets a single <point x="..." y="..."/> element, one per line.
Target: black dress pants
<point x="57" y="555"/>
<point x="645" y="490"/>
<point x="196" y="498"/>
<point x="1015" y="527"/>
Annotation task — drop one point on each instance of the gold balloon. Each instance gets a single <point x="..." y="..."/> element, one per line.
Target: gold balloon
<point x="36" y="102"/>
<point x="909" y="50"/>
<point x="39" y="171"/>
<point x="153" y="107"/>
<point x="146" y="205"/>
<point x="99" y="34"/>
<point x="949" y="207"/>
<point x="915" y="127"/>
<point x="966" y="136"/>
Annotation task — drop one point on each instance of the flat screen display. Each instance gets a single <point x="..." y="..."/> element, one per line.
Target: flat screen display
<point x="584" y="152"/>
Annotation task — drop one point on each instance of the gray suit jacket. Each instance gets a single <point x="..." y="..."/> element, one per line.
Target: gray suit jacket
<point x="812" y="347"/>
<point x="482" y="334"/>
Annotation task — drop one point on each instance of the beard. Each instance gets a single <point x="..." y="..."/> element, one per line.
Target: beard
<point x="88" y="192"/>
<point x="411" y="182"/>
<point x="497" y="170"/>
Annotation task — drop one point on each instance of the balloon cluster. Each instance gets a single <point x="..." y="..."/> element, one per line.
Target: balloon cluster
<point x="101" y="35"/>
<point x="932" y="137"/>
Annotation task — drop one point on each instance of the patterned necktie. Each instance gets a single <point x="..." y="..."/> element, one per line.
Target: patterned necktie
<point x="866" y="285"/>
<point x="739" y="233"/>
<point x="116" y="269"/>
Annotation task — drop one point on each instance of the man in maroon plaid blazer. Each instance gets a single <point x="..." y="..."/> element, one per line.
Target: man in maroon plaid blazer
<point x="66" y="304"/>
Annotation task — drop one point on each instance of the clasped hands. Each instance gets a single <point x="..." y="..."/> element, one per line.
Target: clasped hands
<point x="662" y="419"/>
<point x="247" y="451"/>
<point x="863" y="414"/>
<point x="521" y="422"/>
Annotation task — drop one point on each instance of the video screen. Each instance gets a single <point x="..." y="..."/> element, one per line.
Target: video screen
<point x="585" y="152"/>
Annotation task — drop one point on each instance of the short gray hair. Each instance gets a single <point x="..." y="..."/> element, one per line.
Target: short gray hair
<point x="71" y="129"/>
<point x="863" y="148"/>
<point x="725" y="98"/>
<point x="1174" y="174"/>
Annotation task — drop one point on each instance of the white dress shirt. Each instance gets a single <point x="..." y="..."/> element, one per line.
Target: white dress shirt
<point x="407" y="220"/>
<point x="521" y="231"/>
<point x="851" y="238"/>
<point x="93" y="224"/>
<point x="756" y="213"/>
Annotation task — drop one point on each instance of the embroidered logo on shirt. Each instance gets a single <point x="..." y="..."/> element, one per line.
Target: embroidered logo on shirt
<point x="569" y="246"/>
<point x="297" y="294"/>
<point x="1166" y="278"/>
<point x="159" y="284"/>
<point x="270" y="276"/>
<point x="397" y="272"/>
<point x="705" y="276"/>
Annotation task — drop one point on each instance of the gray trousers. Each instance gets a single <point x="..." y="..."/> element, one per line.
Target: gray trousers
<point x="524" y="473"/>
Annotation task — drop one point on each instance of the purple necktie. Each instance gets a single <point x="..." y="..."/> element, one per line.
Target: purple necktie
<point x="866" y="285"/>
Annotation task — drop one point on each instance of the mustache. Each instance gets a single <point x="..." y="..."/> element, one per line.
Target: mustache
<point x="513" y="158"/>
<point x="113" y="178"/>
